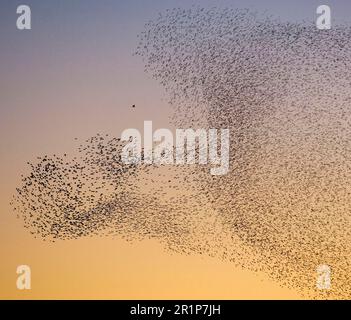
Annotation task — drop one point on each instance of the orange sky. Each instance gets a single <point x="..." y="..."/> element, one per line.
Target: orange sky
<point x="65" y="81"/>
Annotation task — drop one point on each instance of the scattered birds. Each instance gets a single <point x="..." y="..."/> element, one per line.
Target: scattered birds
<point x="283" y="91"/>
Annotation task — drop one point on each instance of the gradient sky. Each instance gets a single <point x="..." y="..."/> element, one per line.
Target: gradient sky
<point x="74" y="75"/>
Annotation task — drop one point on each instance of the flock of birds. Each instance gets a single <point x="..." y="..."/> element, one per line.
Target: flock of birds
<point x="283" y="90"/>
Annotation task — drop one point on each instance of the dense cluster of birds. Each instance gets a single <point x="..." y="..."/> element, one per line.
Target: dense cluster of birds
<point x="284" y="208"/>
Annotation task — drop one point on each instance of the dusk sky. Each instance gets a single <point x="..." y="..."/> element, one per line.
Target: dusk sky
<point x="72" y="76"/>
